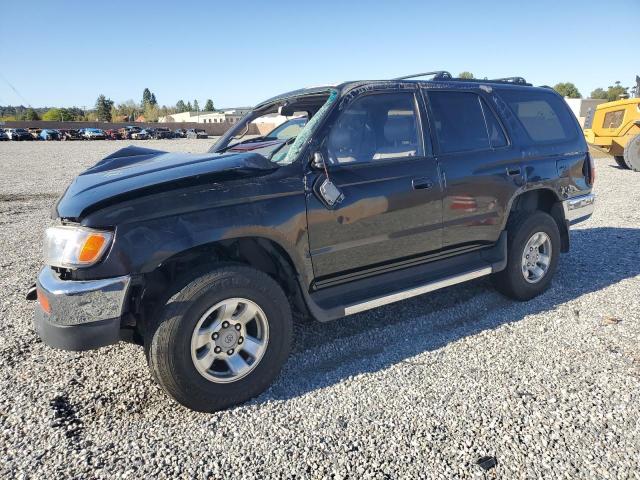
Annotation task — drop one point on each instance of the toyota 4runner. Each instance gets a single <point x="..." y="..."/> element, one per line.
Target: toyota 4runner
<point x="391" y="189"/>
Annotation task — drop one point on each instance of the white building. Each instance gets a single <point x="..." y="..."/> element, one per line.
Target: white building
<point x="580" y="106"/>
<point x="230" y="115"/>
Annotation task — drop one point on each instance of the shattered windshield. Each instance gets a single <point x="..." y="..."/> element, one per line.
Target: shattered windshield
<point x="278" y="130"/>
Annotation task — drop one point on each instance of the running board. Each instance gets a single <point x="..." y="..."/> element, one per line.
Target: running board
<point x="413" y="292"/>
<point x="348" y="298"/>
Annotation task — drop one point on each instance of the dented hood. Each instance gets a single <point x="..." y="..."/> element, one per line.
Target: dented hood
<point x="134" y="171"/>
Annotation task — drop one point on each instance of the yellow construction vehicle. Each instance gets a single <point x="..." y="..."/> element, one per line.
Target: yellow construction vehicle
<point x="614" y="127"/>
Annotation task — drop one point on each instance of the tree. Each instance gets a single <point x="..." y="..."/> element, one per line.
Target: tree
<point x="75" y="113"/>
<point x="189" y="107"/>
<point x="57" y="115"/>
<point x="152" y="100"/>
<point x="128" y="109"/>
<point x="31" y="114"/>
<point x="614" y="92"/>
<point x="151" y="113"/>
<point x="208" y="106"/>
<point x="181" y="107"/>
<point x="146" y="97"/>
<point x="599" y="93"/>
<point x="196" y="107"/>
<point x="567" y="89"/>
<point x="103" y="108"/>
<point x="466" y="75"/>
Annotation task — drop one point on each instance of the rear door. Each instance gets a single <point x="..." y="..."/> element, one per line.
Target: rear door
<point x="481" y="170"/>
<point x="392" y="207"/>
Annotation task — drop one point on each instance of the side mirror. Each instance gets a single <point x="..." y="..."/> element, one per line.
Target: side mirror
<point x="324" y="187"/>
<point x="317" y="162"/>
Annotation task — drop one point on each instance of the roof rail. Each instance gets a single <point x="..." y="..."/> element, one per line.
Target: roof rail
<point x="518" y="80"/>
<point x="437" y="75"/>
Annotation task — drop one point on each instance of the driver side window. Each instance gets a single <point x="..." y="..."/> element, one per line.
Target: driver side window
<point x="375" y="127"/>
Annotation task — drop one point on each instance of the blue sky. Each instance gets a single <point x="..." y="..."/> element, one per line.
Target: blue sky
<point x="66" y="53"/>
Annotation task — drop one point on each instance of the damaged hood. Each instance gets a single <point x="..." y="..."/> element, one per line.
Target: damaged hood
<point x="138" y="171"/>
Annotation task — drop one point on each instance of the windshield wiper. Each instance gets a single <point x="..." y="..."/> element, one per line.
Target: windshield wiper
<point x="280" y="147"/>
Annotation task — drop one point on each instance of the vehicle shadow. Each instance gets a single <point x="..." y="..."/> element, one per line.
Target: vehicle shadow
<point x="325" y="354"/>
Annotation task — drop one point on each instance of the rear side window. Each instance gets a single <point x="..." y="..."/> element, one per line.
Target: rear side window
<point x="496" y="133"/>
<point x="543" y="115"/>
<point x="464" y="122"/>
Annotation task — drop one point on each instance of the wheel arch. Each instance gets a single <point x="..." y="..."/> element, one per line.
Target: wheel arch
<point x="546" y="200"/>
<point x="262" y="253"/>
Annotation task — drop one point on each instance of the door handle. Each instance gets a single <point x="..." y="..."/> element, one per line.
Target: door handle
<point x="421" y="183"/>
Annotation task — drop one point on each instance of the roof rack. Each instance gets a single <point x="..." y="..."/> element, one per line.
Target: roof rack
<point x="437" y="75"/>
<point x="444" y="75"/>
<point x="517" y="80"/>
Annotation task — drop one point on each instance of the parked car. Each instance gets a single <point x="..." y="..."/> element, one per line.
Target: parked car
<point x="112" y="134"/>
<point x="3" y="136"/>
<point x="196" y="133"/>
<point x="140" y="135"/>
<point x="202" y="258"/>
<point x="93" y="134"/>
<point x="127" y="132"/>
<point x="279" y="135"/>
<point x="180" y="133"/>
<point x="35" y="133"/>
<point x="18" y="134"/>
<point x="70" y="134"/>
<point x="49" y="134"/>
<point x="162" y="132"/>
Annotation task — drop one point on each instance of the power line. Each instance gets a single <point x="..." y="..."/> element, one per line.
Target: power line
<point x="15" y="90"/>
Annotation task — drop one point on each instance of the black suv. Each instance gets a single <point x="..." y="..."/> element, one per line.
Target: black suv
<point x="394" y="188"/>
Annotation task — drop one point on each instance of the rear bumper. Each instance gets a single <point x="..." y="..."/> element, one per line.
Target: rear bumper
<point x="82" y="315"/>
<point x="578" y="209"/>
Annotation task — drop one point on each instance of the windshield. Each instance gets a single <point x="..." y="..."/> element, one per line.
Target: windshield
<point x="287" y="130"/>
<point x="287" y="121"/>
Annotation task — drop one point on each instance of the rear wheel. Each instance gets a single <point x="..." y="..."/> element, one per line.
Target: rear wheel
<point x="533" y="247"/>
<point x="222" y="339"/>
<point x="632" y="154"/>
<point x="620" y="161"/>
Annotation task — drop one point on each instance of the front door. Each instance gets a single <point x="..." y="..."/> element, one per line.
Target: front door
<point x="392" y="206"/>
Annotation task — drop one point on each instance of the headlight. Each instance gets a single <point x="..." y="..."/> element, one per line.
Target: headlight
<point x="73" y="247"/>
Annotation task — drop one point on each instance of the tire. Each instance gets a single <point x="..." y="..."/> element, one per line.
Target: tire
<point x="620" y="161"/>
<point x="169" y="343"/>
<point x="632" y="154"/>
<point x="511" y="281"/>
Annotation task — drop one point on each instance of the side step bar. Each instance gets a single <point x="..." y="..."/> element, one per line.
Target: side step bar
<point x="412" y="292"/>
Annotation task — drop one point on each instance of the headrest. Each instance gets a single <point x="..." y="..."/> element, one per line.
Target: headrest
<point x="399" y="129"/>
<point x="339" y="139"/>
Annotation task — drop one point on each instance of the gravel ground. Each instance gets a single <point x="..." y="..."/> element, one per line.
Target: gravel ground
<point x="419" y="389"/>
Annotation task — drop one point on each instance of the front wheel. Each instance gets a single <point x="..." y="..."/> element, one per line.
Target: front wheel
<point x="533" y="247"/>
<point x="620" y="161"/>
<point x="222" y="339"/>
<point x="632" y="154"/>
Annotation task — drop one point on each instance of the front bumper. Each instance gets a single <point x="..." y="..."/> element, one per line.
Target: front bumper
<point x="578" y="209"/>
<point x="82" y="315"/>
